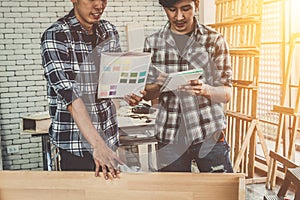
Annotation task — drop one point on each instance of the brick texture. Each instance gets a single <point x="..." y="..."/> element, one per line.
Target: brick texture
<point x="22" y="85"/>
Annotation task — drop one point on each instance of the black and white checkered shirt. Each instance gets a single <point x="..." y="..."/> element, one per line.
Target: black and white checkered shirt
<point x="205" y="49"/>
<point x="71" y="68"/>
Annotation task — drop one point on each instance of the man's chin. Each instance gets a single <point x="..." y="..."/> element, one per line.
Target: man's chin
<point x="180" y="30"/>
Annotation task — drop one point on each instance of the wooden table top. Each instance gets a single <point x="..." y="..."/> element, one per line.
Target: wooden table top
<point x="57" y="185"/>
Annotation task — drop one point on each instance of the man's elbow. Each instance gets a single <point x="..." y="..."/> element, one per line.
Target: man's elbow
<point x="228" y="94"/>
<point x="227" y="98"/>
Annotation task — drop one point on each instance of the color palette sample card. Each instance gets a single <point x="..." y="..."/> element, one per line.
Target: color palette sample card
<point x="122" y="73"/>
<point x="177" y="79"/>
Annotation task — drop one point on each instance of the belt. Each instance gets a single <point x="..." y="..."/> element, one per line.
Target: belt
<point x="221" y="137"/>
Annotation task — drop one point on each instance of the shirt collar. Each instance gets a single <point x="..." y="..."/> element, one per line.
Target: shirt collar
<point x="73" y="22"/>
<point x="76" y="26"/>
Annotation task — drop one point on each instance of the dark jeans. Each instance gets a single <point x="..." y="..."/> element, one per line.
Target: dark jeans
<point x="209" y="158"/>
<point x="70" y="162"/>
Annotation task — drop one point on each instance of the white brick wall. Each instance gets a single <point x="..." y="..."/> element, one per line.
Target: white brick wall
<point x="22" y="85"/>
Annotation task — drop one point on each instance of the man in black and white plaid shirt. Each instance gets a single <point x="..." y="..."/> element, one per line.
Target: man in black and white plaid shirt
<point x="81" y="123"/>
<point x="190" y="120"/>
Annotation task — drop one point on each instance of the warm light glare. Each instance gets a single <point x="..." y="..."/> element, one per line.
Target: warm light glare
<point x="295" y="4"/>
<point x="295" y="15"/>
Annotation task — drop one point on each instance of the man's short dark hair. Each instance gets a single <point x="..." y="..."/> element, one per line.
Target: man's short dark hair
<point x="168" y="3"/>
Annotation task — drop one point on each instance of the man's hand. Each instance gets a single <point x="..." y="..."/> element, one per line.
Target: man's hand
<point x="218" y="94"/>
<point x="153" y="89"/>
<point x="196" y="87"/>
<point x="107" y="160"/>
<point x="104" y="157"/>
<point x="162" y="77"/>
<point x="134" y="99"/>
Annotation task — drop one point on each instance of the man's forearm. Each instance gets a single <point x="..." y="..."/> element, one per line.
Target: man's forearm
<point x="220" y="94"/>
<point x="84" y="123"/>
<point x="153" y="91"/>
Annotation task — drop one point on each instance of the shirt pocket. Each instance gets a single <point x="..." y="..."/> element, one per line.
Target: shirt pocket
<point x="199" y="58"/>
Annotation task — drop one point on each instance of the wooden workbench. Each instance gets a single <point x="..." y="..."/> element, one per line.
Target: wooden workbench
<point x="58" y="185"/>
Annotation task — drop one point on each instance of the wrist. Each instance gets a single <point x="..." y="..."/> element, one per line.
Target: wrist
<point x="97" y="142"/>
<point x="205" y="90"/>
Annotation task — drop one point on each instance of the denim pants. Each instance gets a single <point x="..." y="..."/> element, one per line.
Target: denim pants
<point x="209" y="158"/>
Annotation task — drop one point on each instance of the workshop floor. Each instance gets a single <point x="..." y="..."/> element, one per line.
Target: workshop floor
<point x="257" y="192"/>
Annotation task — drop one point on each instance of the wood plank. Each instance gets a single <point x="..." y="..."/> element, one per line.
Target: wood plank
<point x="284" y="110"/>
<point x="286" y="162"/>
<point x="255" y="180"/>
<point x="244" y="146"/>
<point x="239" y="115"/>
<point x="57" y="185"/>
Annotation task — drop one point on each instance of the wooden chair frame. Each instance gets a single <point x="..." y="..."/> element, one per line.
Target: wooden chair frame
<point x="283" y="111"/>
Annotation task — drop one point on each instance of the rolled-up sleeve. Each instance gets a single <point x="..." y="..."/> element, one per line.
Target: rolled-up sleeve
<point x="58" y="66"/>
<point x="221" y="58"/>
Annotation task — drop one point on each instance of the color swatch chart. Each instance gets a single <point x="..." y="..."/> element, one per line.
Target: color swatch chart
<point x="121" y="75"/>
